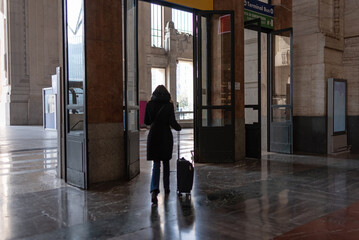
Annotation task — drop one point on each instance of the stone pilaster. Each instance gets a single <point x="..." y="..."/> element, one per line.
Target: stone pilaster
<point x="19" y="62"/>
<point x="34" y="56"/>
<point x="351" y="70"/>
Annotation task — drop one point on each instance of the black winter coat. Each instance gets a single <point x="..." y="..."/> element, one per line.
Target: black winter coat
<point x="160" y="139"/>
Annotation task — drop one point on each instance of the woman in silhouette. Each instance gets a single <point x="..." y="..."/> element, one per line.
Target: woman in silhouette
<point x="160" y="115"/>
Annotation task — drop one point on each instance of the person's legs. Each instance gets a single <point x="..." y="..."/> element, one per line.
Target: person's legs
<point x="166" y="176"/>
<point x="155" y="182"/>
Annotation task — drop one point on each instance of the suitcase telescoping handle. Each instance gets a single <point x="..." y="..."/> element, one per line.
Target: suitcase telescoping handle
<point x="178" y="147"/>
<point x="178" y="144"/>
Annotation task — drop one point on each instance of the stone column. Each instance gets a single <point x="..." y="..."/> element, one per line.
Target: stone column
<point x="317" y="51"/>
<point x="18" y="62"/>
<point x="43" y="25"/>
<point x="351" y="70"/>
<point x="104" y="79"/>
<point x="4" y="82"/>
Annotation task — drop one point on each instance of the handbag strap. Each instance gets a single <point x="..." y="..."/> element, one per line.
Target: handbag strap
<point x="158" y="113"/>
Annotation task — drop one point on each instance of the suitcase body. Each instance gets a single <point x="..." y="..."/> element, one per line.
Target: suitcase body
<point x="184" y="176"/>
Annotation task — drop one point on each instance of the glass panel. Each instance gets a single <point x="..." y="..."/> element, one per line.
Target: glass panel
<point x="250" y="67"/>
<point x="281" y="70"/>
<point x="76" y="65"/>
<point x="132" y="101"/>
<point x="156" y="25"/>
<point x="204" y="60"/>
<point x="250" y="115"/>
<point x="216" y="117"/>
<point x="185" y="87"/>
<point x="183" y="21"/>
<point x="218" y="86"/>
<point x="281" y="114"/>
<point x="132" y="119"/>
<point x="182" y="115"/>
<point x="158" y="77"/>
<point x="50" y="104"/>
<point x="339" y="106"/>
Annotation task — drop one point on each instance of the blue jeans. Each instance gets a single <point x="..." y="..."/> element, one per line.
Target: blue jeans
<point x="156" y="170"/>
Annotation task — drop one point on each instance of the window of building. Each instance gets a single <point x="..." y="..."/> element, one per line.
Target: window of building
<point x="158" y="77"/>
<point x="185" y="89"/>
<point x="183" y="21"/>
<point x="156" y="25"/>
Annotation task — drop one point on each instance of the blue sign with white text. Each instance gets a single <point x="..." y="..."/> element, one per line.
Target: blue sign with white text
<point x="255" y="9"/>
<point x="259" y="7"/>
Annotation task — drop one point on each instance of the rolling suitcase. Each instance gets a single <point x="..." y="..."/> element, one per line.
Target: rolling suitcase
<point x="184" y="174"/>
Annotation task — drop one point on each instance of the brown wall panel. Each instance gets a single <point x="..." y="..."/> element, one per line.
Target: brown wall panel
<point x="104" y="61"/>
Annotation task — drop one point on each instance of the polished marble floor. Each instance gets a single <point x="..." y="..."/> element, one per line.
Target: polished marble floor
<point x="280" y="196"/>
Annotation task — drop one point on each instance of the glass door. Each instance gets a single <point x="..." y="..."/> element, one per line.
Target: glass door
<point x="281" y="92"/>
<point x="252" y="87"/>
<point x="214" y="84"/>
<point x="75" y="94"/>
<point x="131" y="107"/>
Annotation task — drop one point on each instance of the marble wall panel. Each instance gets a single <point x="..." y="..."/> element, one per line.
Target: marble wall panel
<point x="105" y="152"/>
<point x="104" y="79"/>
<point x="104" y="61"/>
<point x="103" y="22"/>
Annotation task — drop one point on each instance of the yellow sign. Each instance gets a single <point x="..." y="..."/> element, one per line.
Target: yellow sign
<point x="198" y="4"/>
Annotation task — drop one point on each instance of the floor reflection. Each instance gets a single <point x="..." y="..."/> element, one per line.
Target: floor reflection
<point x="186" y="218"/>
<point x="250" y="199"/>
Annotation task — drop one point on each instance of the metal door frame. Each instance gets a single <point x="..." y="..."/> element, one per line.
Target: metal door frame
<point x="65" y="92"/>
<point x="270" y="89"/>
<point x="197" y="71"/>
<point x="125" y="83"/>
<point x="258" y="28"/>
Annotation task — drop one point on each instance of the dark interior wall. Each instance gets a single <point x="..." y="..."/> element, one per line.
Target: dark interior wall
<point x="353" y="133"/>
<point x="309" y="134"/>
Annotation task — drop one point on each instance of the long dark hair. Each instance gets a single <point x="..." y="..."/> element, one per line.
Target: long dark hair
<point x="161" y="94"/>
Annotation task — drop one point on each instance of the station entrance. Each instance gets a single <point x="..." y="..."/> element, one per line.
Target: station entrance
<point x="212" y="44"/>
<point x="268" y="109"/>
<point x="268" y="89"/>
